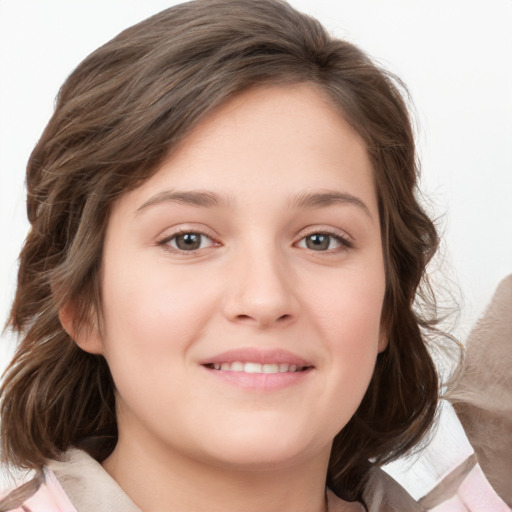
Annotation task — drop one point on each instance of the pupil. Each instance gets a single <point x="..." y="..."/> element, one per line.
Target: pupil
<point x="188" y="241"/>
<point x="317" y="242"/>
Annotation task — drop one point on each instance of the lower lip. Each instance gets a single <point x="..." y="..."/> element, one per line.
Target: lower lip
<point x="260" y="381"/>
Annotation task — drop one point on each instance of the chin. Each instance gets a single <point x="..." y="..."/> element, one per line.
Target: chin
<point x="259" y="459"/>
<point x="265" y="448"/>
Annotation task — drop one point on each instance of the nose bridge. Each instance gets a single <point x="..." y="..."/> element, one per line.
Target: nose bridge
<point x="260" y="285"/>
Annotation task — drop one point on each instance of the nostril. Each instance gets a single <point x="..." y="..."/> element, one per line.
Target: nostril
<point x="281" y="319"/>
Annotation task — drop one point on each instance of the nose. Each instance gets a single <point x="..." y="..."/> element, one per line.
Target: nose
<point x="260" y="291"/>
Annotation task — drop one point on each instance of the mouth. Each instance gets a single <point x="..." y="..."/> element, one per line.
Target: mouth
<point x="253" y="367"/>
<point x="259" y="369"/>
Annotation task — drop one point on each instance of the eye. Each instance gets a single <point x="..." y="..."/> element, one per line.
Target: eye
<point x="323" y="242"/>
<point x="187" y="241"/>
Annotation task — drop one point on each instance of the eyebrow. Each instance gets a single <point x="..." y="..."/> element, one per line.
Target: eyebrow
<point x="207" y="199"/>
<point x="327" y="198"/>
<point x="199" y="198"/>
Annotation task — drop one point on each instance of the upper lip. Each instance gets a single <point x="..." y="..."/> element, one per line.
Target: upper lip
<point x="257" y="355"/>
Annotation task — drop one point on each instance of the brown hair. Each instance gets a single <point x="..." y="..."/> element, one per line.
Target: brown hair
<point x="118" y="115"/>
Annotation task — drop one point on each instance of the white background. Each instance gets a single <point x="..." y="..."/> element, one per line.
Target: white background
<point x="454" y="55"/>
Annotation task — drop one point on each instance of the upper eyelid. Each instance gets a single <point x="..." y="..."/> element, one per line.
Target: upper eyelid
<point x="336" y="232"/>
<point x="171" y="232"/>
<point x="186" y="232"/>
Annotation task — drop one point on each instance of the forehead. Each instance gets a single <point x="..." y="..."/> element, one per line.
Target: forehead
<point x="268" y="141"/>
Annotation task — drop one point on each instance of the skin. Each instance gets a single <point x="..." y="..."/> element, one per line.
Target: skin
<point x="265" y="276"/>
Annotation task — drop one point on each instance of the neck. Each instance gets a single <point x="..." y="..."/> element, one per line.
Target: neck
<point x="158" y="482"/>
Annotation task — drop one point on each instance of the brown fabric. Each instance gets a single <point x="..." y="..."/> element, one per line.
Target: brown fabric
<point x="335" y="504"/>
<point x="482" y="397"/>
<point x="449" y="485"/>
<point x="383" y="494"/>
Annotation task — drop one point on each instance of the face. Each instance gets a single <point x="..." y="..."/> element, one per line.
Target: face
<point x="243" y="287"/>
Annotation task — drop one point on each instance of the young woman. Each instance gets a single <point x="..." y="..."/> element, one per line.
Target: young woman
<point x="215" y="299"/>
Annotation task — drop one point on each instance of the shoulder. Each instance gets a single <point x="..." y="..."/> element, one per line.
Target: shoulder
<point x="89" y="486"/>
<point x="77" y="482"/>
<point x="43" y="493"/>
<point x="466" y="488"/>
<point x="381" y="494"/>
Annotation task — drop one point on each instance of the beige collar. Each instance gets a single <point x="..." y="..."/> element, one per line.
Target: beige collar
<point x="91" y="489"/>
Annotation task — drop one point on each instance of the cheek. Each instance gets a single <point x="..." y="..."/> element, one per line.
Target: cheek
<point x="154" y="305"/>
<point x="351" y="308"/>
<point x="349" y="318"/>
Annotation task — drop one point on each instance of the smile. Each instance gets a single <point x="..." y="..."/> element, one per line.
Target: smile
<point x="252" y="367"/>
<point x="259" y="369"/>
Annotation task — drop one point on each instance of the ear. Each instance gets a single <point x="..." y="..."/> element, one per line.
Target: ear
<point x="87" y="337"/>
<point x="383" y="338"/>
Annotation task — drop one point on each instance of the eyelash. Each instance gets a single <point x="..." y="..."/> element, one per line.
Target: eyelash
<point x="344" y="243"/>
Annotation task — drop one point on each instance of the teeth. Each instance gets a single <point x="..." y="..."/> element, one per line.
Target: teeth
<point x="253" y="368"/>
<point x="270" y="368"/>
<point x="250" y="367"/>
